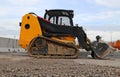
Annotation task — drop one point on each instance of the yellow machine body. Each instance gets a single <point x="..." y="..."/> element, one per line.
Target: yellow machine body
<point x="30" y="28"/>
<point x="48" y="38"/>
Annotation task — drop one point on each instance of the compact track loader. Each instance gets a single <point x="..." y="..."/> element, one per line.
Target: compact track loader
<point x="54" y="35"/>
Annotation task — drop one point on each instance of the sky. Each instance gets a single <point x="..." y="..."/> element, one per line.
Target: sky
<point x="97" y="17"/>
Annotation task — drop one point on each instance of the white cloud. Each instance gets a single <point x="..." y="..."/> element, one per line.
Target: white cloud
<point x="9" y="24"/>
<point x="106" y="15"/>
<point x="39" y="4"/>
<point x="20" y="7"/>
<point x="3" y="10"/>
<point x="111" y="3"/>
<point x="7" y="11"/>
<point x="108" y="3"/>
<point x="23" y="2"/>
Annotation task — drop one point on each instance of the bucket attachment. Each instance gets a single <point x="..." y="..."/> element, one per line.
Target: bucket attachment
<point x="99" y="50"/>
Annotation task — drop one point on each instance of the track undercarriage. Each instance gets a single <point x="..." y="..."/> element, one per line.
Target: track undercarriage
<point x="43" y="47"/>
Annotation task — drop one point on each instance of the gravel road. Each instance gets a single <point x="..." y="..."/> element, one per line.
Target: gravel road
<point x="21" y="65"/>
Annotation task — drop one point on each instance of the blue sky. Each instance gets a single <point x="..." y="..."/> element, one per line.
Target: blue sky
<point x="96" y="16"/>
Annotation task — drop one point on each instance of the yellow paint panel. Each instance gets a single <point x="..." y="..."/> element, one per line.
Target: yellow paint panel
<point x="65" y="39"/>
<point x="30" y="28"/>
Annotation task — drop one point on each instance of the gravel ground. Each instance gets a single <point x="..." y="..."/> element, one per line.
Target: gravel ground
<point x="14" y="65"/>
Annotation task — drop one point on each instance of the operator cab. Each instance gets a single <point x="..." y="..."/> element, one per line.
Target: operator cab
<point x="60" y="17"/>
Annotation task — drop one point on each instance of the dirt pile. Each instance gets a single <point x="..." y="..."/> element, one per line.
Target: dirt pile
<point x="18" y="66"/>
